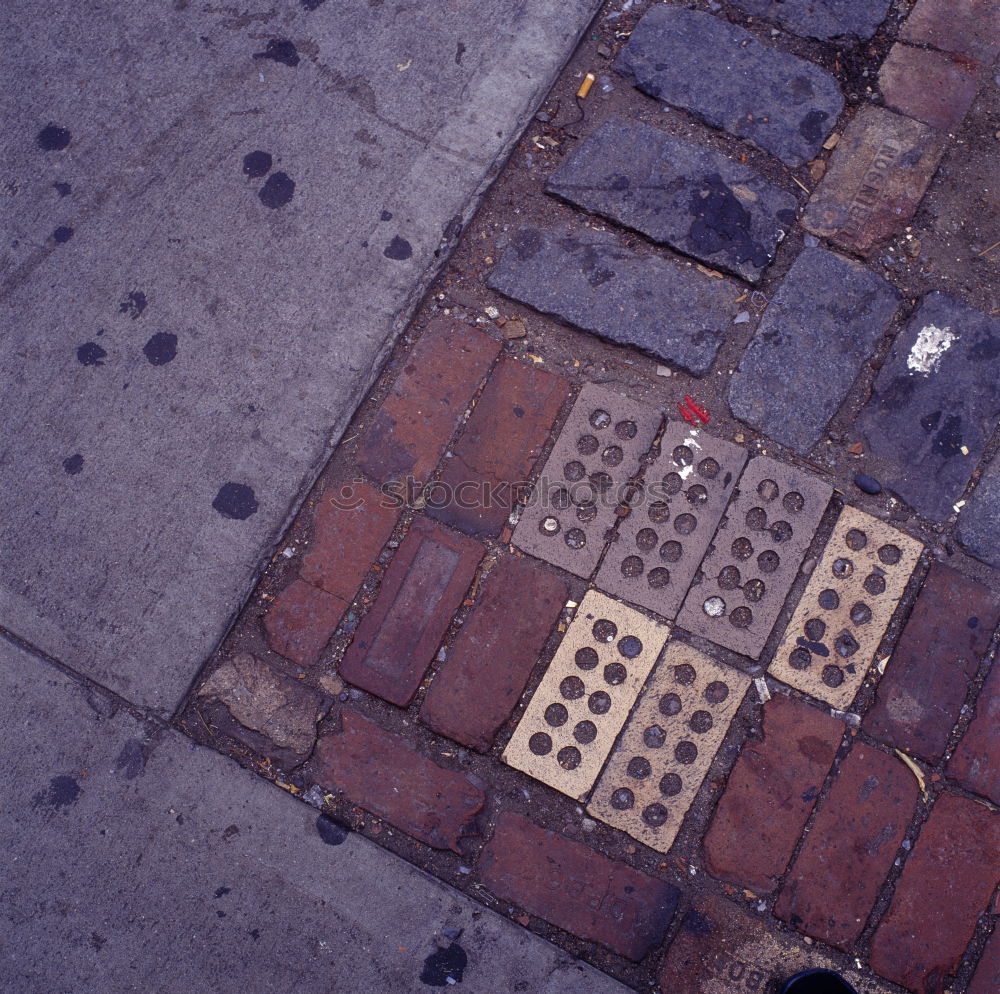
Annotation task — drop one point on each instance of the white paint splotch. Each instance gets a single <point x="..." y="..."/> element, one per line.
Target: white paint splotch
<point x="930" y="346"/>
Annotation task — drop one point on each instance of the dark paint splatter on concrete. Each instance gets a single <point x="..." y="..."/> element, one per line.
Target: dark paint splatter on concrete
<point x="236" y="501"/>
<point x="90" y="354"/>
<point x="312" y="4"/>
<point x="444" y="967"/>
<point x="131" y="760"/>
<point x="63" y="189"/>
<point x="74" y="464"/>
<point x="52" y="138"/>
<point x="811" y="127"/>
<point x="62" y="792"/>
<point x="161" y="348"/>
<point x="331" y="832"/>
<point x="385" y="216"/>
<point x="280" y="50"/>
<point x="257" y="163"/>
<point x="459" y="52"/>
<point x="722" y="223"/>
<point x="133" y="305"/>
<point x="398" y="249"/>
<point x="223" y="891"/>
<point x="62" y="234"/>
<point x="277" y="191"/>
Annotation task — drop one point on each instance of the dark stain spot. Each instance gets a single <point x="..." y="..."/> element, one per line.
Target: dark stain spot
<point x="63" y="189"/>
<point x="527" y="243"/>
<point x="444" y="967"/>
<point x="62" y="792"/>
<point x="814" y="749"/>
<point x="52" y="138"/>
<point x="133" y="305"/>
<point x="230" y="832"/>
<point x="817" y="648"/>
<point x="131" y="760"/>
<point x="972" y="623"/>
<point x="929" y="422"/>
<point x="618" y="182"/>
<point x="385" y="216"/>
<point x="277" y="191"/>
<point x="97" y="941"/>
<point x="398" y="249"/>
<point x="235" y="500"/>
<point x="62" y="234"/>
<point x="257" y="164"/>
<point x="459" y="52"/>
<point x="74" y="464"/>
<point x="280" y="50"/>
<point x="518" y="412"/>
<point x="331" y="832"/>
<point x="223" y="891"/>
<point x="161" y="348"/>
<point x="697" y="924"/>
<point x="948" y="441"/>
<point x="311" y="5"/>
<point x="811" y="127"/>
<point x="722" y="224"/>
<point x="254" y="933"/>
<point x="810" y="795"/>
<point x="90" y="354"/>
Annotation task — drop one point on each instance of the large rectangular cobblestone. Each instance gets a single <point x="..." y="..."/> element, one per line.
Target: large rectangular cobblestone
<point x="979" y="521"/>
<point x="725" y="76"/>
<point x="662" y="307"/>
<point x="700" y="202"/>
<point x="825" y="320"/>
<point x="822" y="19"/>
<point x="930" y="86"/>
<point x="975" y="764"/>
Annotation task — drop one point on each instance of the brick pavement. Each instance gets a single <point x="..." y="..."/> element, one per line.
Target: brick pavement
<point x="660" y="683"/>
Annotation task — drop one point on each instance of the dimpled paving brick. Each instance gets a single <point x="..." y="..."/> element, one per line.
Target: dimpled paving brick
<point x="573" y="504"/>
<point x="668" y="745"/>
<point x="659" y="545"/>
<point x="579" y="708"/>
<point x="755" y="555"/>
<point x="846" y="608"/>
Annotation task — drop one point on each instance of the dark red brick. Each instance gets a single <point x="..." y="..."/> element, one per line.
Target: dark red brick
<point x="832" y="886"/>
<point x="986" y="979"/>
<point x="770" y="794"/>
<point x="576" y="888"/>
<point x="975" y="763"/>
<point x="428" y="399"/>
<point x="421" y="591"/>
<point x="489" y="664"/>
<point x="301" y="621"/>
<point x="931" y="86"/>
<point x="501" y="443"/>
<point x="380" y="772"/>
<point x="945" y="886"/>
<point x="926" y="681"/>
<point x="353" y="521"/>
<point x="970" y="27"/>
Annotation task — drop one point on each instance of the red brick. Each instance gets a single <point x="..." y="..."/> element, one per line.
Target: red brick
<point x="576" y="888"/>
<point x="381" y="772"/>
<point x="301" y="621"/>
<point x="500" y="445"/>
<point x="771" y="792"/>
<point x="970" y="27"/>
<point x="427" y="401"/>
<point x="925" y="684"/>
<point x="832" y="886"/>
<point x="481" y="682"/>
<point x="353" y="521"/>
<point x="945" y="886"/>
<point x="421" y="591"/>
<point x="976" y="760"/>
<point x="986" y="979"/>
<point x="932" y="87"/>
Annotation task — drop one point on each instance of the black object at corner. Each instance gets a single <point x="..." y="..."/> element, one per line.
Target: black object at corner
<point x="817" y="982"/>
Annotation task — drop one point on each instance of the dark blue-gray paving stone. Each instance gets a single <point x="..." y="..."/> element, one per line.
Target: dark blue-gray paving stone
<point x="724" y="75"/>
<point x="666" y="309"/>
<point x="823" y="323"/>
<point x="979" y="521"/>
<point x="823" y="19"/>
<point x="694" y="199"/>
<point x="937" y="394"/>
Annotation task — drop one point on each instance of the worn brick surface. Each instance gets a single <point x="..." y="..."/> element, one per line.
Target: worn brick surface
<point x="770" y="794"/>
<point x="422" y="588"/>
<point x="878" y="174"/>
<point x="971" y="27"/>
<point x="976" y="760"/>
<point x="986" y="979"/>
<point x="755" y="555"/>
<point x="926" y="681"/>
<point x="832" y="885"/>
<point x="382" y="773"/>
<point x="483" y="678"/>
<point x="577" y="889"/>
<point x="945" y="886"/>
<point x="702" y="203"/>
<point x="301" y="620"/>
<point x="784" y="104"/>
<point x="498" y="448"/>
<point x="823" y="19"/>
<point x="416" y="420"/>
<point x="353" y="522"/>
<point x="931" y="86"/>
<point x="824" y="321"/>
<point x="979" y="521"/>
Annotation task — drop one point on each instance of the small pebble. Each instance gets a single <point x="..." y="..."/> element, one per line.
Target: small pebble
<point x="811" y="241"/>
<point x="604" y="52"/>
<point x="867" y="483"/>
<point x="588" y="824"/>
<point x="543" y="117"/>
<point x="742" y="318"/>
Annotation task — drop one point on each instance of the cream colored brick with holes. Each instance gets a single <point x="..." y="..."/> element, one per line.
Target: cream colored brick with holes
<point x="586" y="695"/>
<point x="668" y="745"/>
<point x="846" y="608"/>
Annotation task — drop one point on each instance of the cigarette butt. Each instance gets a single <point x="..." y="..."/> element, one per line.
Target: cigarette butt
<point x="588" y="82"/>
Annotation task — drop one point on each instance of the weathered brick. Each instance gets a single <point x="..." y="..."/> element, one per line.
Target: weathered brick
<point x="833" y="884"/>
<point x="986" y="979"/>
<point x="945" y="886"/>
<point x="771" y="791"/>
<point x="489" y="664"/>
<point x="352" y="523"/>
<point x="503" y="439"/>
<point x="301" y="621"/>
<point x="925" y="684"/>
<point x="381" y="772"/>
<point x="576" y="888"/>
<point x="422" y="588"/>
<point x="931" y="86"/>
<point x="416" y="420"/>
<point x="975" y="763"/>
<point x="970" y="27"/>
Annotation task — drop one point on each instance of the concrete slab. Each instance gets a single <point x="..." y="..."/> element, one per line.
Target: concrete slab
<point x="177" y="870"/>
<point x="176" y="365"/>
